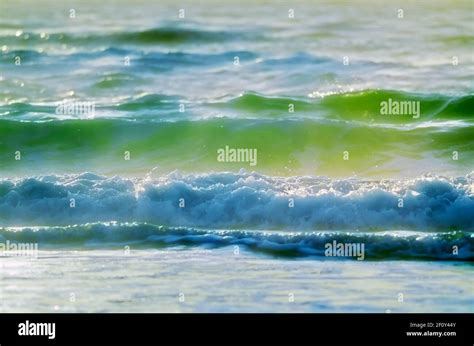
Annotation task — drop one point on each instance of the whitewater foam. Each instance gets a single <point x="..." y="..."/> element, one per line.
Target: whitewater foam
<point x="241" y="200"/>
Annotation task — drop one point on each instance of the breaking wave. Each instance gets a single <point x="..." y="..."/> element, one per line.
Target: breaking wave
<point x="377" y="246"/>
<point x="241" y="200"/>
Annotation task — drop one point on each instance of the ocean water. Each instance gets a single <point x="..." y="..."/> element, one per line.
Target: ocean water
<point x="183" y="279"/>
<point x="132" y="210"/>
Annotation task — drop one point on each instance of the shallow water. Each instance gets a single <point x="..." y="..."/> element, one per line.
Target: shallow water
<point x="193" y="280"/>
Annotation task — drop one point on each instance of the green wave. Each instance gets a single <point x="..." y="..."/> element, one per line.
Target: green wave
<point x="363" y="106"/>
<point x="285" y="147"/>
<point x="147" y="102"/>
<point x="457" y="40"/>
<point x="253" y="102"/>
<point x="163" y="35"/>
<point x="171" y="35"/>
<point x="311" y="140"/>
<point x="360" y="106"/>
<point x="366" y="105"/>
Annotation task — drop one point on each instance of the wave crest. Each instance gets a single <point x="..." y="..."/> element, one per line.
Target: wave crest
<point x="376" y="246"/>
<point x="242" y="200"/>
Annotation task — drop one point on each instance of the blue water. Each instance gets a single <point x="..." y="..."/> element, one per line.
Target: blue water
<point x="132" y="234"/>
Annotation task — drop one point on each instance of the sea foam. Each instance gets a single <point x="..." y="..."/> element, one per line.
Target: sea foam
<point x="241" y="200"/>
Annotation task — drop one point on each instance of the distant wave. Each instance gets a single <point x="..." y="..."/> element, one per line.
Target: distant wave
<point x="365" y="105"/>
<point x="377" y="246"/>
<point x="163" y="35"/>
<point x="243" y="200"/>
<point x="361" y="106"/>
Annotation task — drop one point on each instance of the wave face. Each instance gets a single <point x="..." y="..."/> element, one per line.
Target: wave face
<point x="243" y="200"/>
<point x="172" y="91"/>
<point x="379" y="245"/>
<point x="309" y="141"/>
<point x="360" y="106"/>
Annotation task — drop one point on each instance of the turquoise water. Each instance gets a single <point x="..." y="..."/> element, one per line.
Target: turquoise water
<point x="136" y="165"/>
